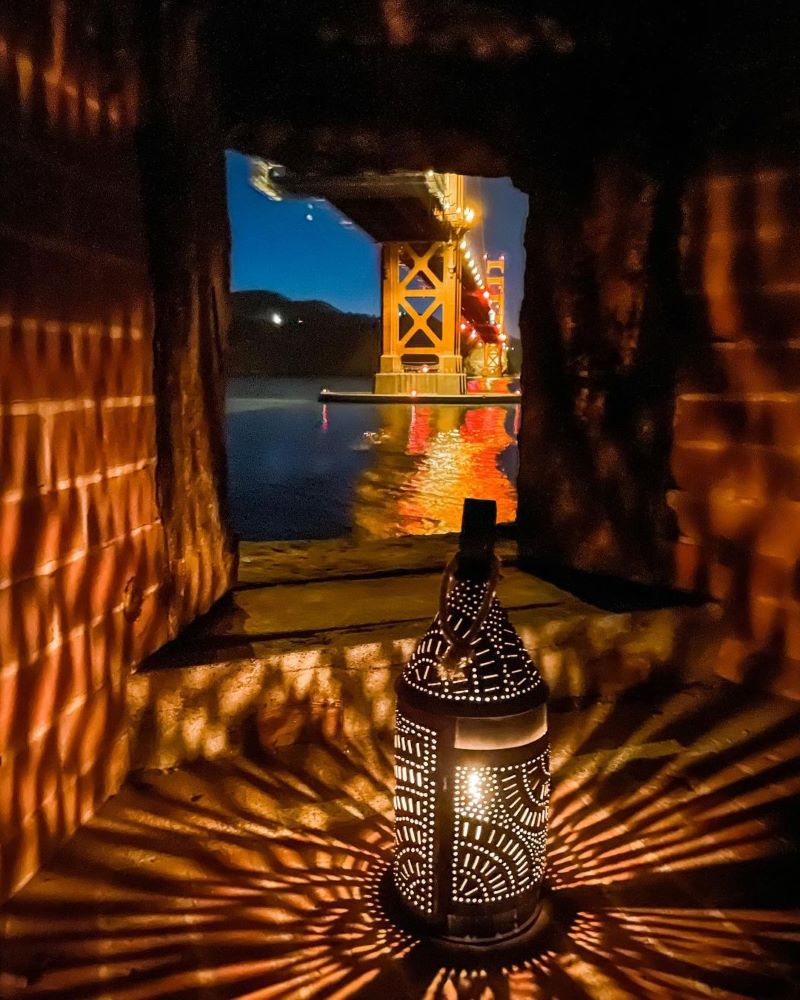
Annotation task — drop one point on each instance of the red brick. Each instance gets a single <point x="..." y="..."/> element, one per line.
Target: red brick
<point x="90" y="362"/>
<point x="114" y="366"/>
<point x="748" y="366"/>
<point x="36" y="364"/>
<point x="746" y="470"/>
<point x="689" y="566"/>
<point x="40" y="528"/>
<point x="76" y="444"/>
<point x="770" y="315"/>
<point x="27" y="619"/>
<point x="10" y="684"/>
<point x="700" y="567"/>
<point x="111" y="644"/>
<point x="92" y="585"/>
<point x="136" y="367"/>
<point x="721" y="201"/>
<point x="769" y="527"/>
<point x="81" y="287"/>
<point x="767" y="620"/>
<point x="35" y="693"/>
<point x="793" y="632"/>
<point x="22" y="454"/>
<point x="86" y="731"/>
<point x="27" y="777"/>
<point x="732" y="658"/>
<point x="731" y="260"/>
<point x="118" y="504"/>
<point x="59" y="815"/>
<point x="772" y="419"/>
<point x="128" y="366"/>
<point x="714" y="514"/>
<point x="785" y="680"/>
<point x="720" y="578"/>
<point x="56" y="818"/>
<point x="771" y="576"/>
<point x="128" y="434"/>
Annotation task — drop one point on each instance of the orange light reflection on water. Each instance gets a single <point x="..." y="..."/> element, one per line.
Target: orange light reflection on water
<point x="428" y="458"/>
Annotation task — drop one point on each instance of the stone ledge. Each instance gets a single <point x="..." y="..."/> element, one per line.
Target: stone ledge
<point x="262" y="563"/>
<point x="298" y="662"/>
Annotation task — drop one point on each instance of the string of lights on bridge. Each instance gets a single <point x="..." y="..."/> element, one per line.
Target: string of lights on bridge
<point x="462" y="219"/>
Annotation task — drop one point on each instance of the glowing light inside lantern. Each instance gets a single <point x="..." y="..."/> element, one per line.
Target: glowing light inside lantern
<point x="474" y="788"/>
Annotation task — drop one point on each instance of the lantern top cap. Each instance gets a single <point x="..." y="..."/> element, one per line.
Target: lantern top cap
<point x="478" y="534"/>
<point x="471" y="658"/>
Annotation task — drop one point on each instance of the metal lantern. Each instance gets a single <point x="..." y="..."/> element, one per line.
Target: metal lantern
<point x="471" y="760"/>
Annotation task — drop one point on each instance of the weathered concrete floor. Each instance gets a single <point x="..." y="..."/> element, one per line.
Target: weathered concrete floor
<point x="673" y="863"/>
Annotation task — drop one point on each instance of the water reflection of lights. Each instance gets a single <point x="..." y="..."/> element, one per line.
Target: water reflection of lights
<point x="419" y="430"/>
<point x="671" y="868"/>
<point x="459" y="462"/>
<point x="427" y="460"/>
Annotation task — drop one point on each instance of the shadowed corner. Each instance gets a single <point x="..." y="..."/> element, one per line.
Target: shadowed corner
<point x="672" y="870"/>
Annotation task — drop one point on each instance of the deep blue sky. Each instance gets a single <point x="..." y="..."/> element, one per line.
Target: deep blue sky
<point x="276" y="247"/>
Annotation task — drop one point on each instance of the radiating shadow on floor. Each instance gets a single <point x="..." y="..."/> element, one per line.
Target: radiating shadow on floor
<point x="673" y="872"/>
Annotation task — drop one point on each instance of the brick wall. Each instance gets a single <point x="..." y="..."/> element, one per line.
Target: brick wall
<point x="736" y="450"/>
<point x="82" y="553"/>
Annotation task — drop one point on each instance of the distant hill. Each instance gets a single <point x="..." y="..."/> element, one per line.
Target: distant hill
<point x="312" y="339"/>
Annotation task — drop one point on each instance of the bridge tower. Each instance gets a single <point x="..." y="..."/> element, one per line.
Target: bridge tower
<point x="421" y="303"/>
<point x="494" y="348"/>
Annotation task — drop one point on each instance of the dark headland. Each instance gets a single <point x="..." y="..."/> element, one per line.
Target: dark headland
<point x="272" y="335"/>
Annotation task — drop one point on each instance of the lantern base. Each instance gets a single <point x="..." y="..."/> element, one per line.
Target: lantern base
<point x="519" y="941"/>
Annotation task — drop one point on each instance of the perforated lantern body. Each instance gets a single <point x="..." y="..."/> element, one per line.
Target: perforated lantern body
<point x="472" y="779"/>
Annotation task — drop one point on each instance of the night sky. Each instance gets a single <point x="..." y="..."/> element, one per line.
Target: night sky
<point x="277" y="247"/>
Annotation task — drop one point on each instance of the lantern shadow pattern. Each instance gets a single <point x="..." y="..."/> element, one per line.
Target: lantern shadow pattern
<point x="671" y="860"/>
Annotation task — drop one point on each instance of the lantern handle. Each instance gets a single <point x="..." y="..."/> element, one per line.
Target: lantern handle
<point x="462" y="644"/>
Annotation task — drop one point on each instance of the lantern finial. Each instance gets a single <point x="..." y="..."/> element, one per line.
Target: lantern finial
<point x="478" y="531"/>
